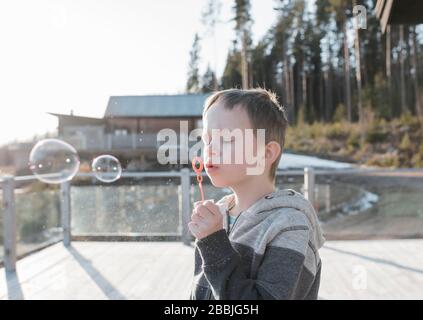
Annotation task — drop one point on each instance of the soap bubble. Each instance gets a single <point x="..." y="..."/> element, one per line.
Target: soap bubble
<point x="106" y="168"/>
<point x="53" y="161"/>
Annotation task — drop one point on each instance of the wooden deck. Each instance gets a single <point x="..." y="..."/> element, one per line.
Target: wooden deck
<point x="390" y="269"/>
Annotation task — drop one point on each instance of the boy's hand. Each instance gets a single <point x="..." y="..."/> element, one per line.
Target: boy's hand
<point x="205" y="219"/>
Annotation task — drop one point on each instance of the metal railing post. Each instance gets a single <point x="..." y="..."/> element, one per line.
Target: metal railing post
<point x="327" y="198"/>
<point x="309" y="184"/>
<point x="185" y="205"/>
<point x="65" y="212"/>
<point x="9" y="224"/>
<point x="109" y="141"/>
<point x="134" y="137"/>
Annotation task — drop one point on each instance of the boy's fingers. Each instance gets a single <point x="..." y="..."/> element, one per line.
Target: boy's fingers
<point x="194" y="212"/>
<point x="197" y="203"/>
<point x="196" y="218"/>
<point x="204" y="212"/>
<point x="214" y="209"/>
<point x="197" y="227"/>
<point x="193" y="227"/>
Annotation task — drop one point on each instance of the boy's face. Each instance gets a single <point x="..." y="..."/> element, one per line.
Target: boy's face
<point x="226" y="163"/>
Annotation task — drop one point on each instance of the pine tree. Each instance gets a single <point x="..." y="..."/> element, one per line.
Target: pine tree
<point x="305" y="58"/>
<point x="210" y="18"/>
<point x="243" y="24"/>
<point x="209" y="81"/>
<point x="193" y="82"/>
<point x="232" y="74"/>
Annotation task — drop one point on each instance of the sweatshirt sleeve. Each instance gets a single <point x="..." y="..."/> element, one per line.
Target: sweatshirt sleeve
<point x="278" y="274"/>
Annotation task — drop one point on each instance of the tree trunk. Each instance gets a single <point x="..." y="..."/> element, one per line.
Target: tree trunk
<point x="388" y="68"/>
<point x="358" y="76"/>
<point x="304" y="98"/>
<point x="328" y="94"/>
<point x="347" y="72"/>
<point x="328" y="86"/>
<point x="292" y="93"/>
<point x="244" y="61"/>
<point x="287" y="81"/>
<point x="321" y="97"/>
<point x="304" y="88"/>
<point x="402" y="71"/>
<point x="414" y="62"/>
<point x="311" y="98"/>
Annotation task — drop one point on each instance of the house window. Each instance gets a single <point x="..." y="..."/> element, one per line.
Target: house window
<point x="121" y="132"/>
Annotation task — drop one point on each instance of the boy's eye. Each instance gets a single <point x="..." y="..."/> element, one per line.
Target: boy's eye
<point x="221" y="138"/>
<point x="228" y="139"/>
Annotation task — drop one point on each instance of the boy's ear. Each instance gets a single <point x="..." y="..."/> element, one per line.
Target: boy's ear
<point x="272" y="152"/>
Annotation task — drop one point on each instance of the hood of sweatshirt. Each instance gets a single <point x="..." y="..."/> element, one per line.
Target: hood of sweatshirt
<point x="278" y="201"/>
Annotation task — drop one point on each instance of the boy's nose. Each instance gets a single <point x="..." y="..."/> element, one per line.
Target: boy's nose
<point x="211" y="149"/>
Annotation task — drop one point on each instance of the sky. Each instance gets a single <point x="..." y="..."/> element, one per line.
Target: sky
<point x="63" y="55"/>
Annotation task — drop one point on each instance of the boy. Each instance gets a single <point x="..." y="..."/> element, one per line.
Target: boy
<point x="256" y="243"/>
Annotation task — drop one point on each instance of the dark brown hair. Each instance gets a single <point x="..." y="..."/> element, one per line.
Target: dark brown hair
<point x="263" y="109"/>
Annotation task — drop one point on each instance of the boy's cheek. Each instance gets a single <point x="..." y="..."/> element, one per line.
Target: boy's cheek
<point x="228" y="175"/>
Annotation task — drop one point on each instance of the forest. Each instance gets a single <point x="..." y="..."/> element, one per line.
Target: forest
<point x="351" y="91"/>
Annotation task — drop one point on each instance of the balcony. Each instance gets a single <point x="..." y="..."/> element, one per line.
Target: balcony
<point x="122" y="241"/>
<point x="109" y="142"/>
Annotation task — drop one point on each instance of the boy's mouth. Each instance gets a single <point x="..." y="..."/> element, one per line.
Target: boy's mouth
<point x="211" y="166"/>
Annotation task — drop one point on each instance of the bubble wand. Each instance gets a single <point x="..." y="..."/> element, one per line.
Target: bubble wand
<point x="199" y="161"/>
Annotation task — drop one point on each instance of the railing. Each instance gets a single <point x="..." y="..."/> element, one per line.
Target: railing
<point x="109" y="142"/>
<point x="184" y="191"/>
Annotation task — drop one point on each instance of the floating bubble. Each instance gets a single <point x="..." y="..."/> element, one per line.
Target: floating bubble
<point x="53" y="161"/>
<point x="106" y="168"/>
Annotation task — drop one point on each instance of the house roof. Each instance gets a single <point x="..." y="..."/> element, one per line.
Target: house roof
<point x="399" y="12"/>
<point x="71" y="116"/>
<point x="182" y="105"/>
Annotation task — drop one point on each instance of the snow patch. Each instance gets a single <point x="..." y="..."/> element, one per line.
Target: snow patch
<point x="296" y="161"/>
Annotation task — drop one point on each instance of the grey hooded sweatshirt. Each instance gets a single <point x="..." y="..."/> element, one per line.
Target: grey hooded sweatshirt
<point x="271" y="252"/>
